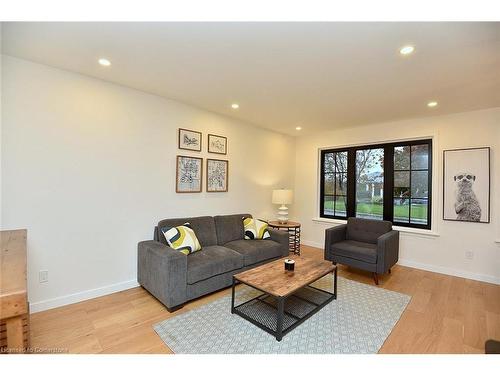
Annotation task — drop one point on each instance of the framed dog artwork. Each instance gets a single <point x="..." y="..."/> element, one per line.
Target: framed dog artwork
<point x="466" y="185"/>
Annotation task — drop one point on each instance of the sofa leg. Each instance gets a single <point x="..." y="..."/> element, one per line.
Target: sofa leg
<point x="375" y="278"/>
<point x="175" y="308"/>
<point x="389" y="271"/>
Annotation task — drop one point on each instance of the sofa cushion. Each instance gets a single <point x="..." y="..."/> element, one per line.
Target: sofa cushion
<point x="363" y="251"/>
<point x="182" y="238"/>
<point x="229" y="227"/>
<point x="255" y="229"/>
<point x="203" y="226"/>
<point x="255" y="251"/>
<point x="366" y="230"/>
<point x="212" y="261"/>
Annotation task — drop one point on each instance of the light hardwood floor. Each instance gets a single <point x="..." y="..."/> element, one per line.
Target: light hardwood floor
<point x="446" y="315"/>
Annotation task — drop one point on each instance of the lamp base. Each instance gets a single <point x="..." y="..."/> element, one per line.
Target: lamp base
<point x="283" y="214"/>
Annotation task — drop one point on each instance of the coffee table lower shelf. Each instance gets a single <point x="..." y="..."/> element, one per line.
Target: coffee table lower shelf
<point x="280" y="315"/>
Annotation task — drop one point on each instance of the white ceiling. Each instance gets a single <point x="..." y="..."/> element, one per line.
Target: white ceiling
<point x="283" y="75"/>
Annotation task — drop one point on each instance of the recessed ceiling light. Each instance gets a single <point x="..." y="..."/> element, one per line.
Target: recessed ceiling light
<point x="235" y="106"/>
<point x="432" y="104"/>
<point x="406" y="50"/>
<point x="104" y="62"/>
<point x="298" y="128"/>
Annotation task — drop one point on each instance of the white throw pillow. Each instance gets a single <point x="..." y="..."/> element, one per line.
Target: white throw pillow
<point x="255" y="229"/>
<point x="182" y="238"/>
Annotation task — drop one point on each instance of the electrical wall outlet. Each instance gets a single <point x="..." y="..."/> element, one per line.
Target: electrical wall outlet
<point x="469" y="254"/>
<point x="43" y="276"/>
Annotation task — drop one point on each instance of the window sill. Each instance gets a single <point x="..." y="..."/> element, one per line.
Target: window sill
<point x="420" y="232"/>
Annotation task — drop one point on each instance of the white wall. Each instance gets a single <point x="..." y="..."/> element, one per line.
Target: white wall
<point x="1" y="49"/>
<point x="445" y="250"/>
<point x="89" y="168"/>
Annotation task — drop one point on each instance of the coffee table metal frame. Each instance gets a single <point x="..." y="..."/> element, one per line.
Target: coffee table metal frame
<point x="280" y="310"/>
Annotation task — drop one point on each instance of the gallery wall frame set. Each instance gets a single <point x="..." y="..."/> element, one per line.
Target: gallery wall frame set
<point x="217" y="175"/>
<point x="191" y="140"/>
<point x="466" y="185"/>
<point x="188" y="174"/>
<point x="189" y="169"/>
<point x="217" y="144"/>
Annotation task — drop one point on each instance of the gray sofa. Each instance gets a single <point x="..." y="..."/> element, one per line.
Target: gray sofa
<point x="371" y="245"/>
<point x="175" y="278"/>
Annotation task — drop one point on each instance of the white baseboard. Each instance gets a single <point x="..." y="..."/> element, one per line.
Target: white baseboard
<point x="450" y="271"/>
<point x="81" y="296"/>
<point x="313" y="244"/>
<point x="432" y="268"/>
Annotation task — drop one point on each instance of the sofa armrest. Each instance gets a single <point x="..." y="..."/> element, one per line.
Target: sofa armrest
<point x="332" y="235"/>
<point x="163" y="272"/>
<point x="282" y="238"/>
<point x="387" y="251"/>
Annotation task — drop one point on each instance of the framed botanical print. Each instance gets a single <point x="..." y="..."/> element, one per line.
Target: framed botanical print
<point x="189" y="174"/>
<point x="189" y="140"/>
<point x="217" y="175"/>
<point x="217" y="144"/>
<point x="466" y="185"/>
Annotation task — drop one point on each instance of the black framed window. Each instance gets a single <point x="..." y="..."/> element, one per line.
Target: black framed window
<point x="391" y="181"/>
<point x="370" y="183"/>
<point x="411" y="184"/>
<point x="334" y="183"/>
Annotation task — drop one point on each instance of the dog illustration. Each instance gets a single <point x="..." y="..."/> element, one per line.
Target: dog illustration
<point x="466" y="206"/>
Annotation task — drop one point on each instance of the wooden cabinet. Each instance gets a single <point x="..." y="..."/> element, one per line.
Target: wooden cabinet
<point x="14" y="314"/>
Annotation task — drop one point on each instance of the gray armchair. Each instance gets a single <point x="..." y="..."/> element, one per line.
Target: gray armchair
<point x="370" y="245"/>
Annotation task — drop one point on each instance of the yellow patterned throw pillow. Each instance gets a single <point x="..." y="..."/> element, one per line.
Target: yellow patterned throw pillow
<point x="182" y="238"/>
<point x="255" y="229"/>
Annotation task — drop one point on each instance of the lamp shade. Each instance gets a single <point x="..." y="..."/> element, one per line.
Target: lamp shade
<point x="282" y="196"/>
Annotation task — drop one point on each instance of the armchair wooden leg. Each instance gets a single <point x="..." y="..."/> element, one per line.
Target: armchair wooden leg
<point x="389" y="271"/>
<point x="375" y="278"/>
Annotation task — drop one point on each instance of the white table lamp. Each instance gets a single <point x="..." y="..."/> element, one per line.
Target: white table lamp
<point x="283" y="197"/>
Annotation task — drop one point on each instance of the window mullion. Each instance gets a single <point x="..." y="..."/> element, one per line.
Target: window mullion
<point x="411" y="192"/>
<point x="429" y="184"/>
<point x="388" y="209"/>
<point x="322" y="185"/>
<point x="335" y="189"/>
<point x="351" y="183"/>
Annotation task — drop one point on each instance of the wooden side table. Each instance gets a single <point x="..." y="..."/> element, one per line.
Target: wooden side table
<point x="293" y="229"/>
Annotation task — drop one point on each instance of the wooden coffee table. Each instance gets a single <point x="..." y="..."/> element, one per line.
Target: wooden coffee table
<point x="287" y="298"/>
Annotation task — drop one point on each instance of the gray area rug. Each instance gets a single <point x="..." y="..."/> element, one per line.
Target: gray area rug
<point x="359" y="321"/>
